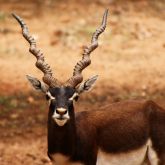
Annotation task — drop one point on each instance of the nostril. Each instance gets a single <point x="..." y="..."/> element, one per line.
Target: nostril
<point x="65" y="112"/>
<point x="61" y="112"/>
<point x="57" y="112"/>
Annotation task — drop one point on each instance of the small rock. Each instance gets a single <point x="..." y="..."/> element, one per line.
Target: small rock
<point x="14" y="102"/>
<point x="58" y="33"/>
<point x="45" y="160"/>
<point x="30" y="99"/>
<point x="31" y="155"/>
<point x="14" y="116"/>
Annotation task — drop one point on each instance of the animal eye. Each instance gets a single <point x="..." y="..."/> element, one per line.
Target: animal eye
<point x="76" y="98"/>
<point x="47" y="97"/>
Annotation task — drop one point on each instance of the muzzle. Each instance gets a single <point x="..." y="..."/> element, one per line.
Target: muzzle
<point x="61" y="116"/>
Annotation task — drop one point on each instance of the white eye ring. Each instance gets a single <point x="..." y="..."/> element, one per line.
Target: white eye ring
<point x="74" y="96"/>
<point x="50" y="96"/>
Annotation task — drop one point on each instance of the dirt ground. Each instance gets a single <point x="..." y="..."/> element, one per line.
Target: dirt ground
<point x="129" y="62"/>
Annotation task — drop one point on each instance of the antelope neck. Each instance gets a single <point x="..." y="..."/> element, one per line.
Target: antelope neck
<point x="62" y="139"/>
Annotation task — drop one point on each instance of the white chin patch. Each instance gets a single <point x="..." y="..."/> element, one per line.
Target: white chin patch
<point x="60" y="122"/>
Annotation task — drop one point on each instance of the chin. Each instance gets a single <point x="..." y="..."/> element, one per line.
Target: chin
<point x="60" y="122"/>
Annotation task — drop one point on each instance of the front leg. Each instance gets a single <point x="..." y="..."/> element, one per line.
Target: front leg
<point x="91" y="160"/>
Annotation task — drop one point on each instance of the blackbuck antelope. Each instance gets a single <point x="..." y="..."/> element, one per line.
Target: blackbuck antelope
<point x="124" y="133"/>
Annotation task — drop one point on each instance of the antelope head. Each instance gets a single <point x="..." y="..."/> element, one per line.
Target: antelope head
<point x="61" y="96"/>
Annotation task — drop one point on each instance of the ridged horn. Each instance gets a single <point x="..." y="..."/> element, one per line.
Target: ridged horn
<point x="40" y="63"/>
<point x="85" y="61"/>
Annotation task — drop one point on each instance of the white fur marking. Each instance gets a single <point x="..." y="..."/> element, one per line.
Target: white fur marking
<point x="74" y="96"/>
<point x="152" y="154"/>
<point x="61" y="110"/>
<point x="50" y="96"/>
<point x="134" y="157"/>
<point x="60" y="122"/>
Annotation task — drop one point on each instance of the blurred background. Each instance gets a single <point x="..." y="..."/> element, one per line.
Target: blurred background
<point x="129" y="61"/>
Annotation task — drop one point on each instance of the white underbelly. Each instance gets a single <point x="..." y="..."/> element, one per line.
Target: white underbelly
<point x="135" y="157"/>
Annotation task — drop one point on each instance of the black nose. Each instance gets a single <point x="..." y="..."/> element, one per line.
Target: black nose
<point x="61" y="111"/>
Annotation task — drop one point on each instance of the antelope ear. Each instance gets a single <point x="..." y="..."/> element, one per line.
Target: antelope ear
<point x="37" y="84"/>
<point x="87" y="84"/>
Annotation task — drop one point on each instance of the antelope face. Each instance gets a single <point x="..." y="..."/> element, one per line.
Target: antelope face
<point x="61" y="102"/>
<point x="61" y="98"/>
